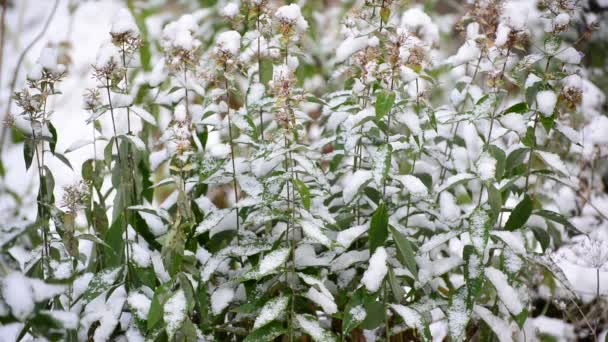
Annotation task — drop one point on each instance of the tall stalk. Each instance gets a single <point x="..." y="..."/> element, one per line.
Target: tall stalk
<point x="236" y="195"/>
<point x="124" y="195"/>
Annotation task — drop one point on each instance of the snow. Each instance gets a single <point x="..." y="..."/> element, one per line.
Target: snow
<point x="313" y="328"/>
<point x="347" y="236"/>
<point x="411" y="120"/>
<point x="349" y="258"/>
<point x="413" y="185"/>
<point x="272" y="310"/>
<point x="48" y="60"/>
<point x="436" y="241"/>
<point x="561" y="20"/>
<point x="498" y="326"/>
<point x="410" y="316"/>
<point x="358" y="313"/>
<point x="221" y="298"/>
<point x="375" y="273"/>
<point x="448" y="208"/>
<point x="229" y="42"/>
<point x="415" y="20"/>
<point x="349" y="46"/>
<point x="546" y="101"/>
<point x="312" y="230"/>
<point x="325" y="302"/>
<point x="486" y="166"/>
<point x="175" y="312"/>
<point x="353" y="182"/>
<point x="180" y="34"/>
<point x="505" y="292"/>
<point x="458" y="317"/>
<point x="124" y="23"/>
<point x="107" y="55"/>
<point x="466" y="53"/>
<point x="554" y="161"/>
<point x="570" y="55"/>
<point x="514" y="122"/>
<point x="231" y="10"/>
<point x="291" y="15"/>
<point x="17" y="293"/>
<point x="273" y="260"/>
<point x="140" y="304"/>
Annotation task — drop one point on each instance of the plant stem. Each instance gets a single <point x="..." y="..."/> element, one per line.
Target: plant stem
<point x="125" y="213"/>
<point x="260" y="71"/>
<point x="236" y="195"/>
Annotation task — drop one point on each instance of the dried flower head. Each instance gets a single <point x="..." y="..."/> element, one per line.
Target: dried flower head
<point x="75" y="196"/>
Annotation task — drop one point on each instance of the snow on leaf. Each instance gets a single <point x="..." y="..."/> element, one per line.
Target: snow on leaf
<point x="505" y="292"/>
<point x="353" y="184"/>
<point x="311" y="326"/>
<point x="498" y="326"/>
<point x="410" y="316"/>
<point x="272" y="310"/>
<point x="375" y="273"/>
<point x="175" y="312"/>
<point x="312" y="230"/>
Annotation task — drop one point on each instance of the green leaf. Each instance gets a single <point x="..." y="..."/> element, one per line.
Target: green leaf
<point x="521" y="107"/>
<point x="556" y="217"/>
<point x="266" y="71"/>
<point x="384" y="103"/>
<point x="53" y="141"/>
<point x="266" y="333"/>
<point x="495" y="200"/>
<point x="406" y="253"/>
<point x="100" y="283"/>
<point x="521" y="318"/>
<point x="28" y="153"/>
<point x="350" y="321"/>
<point x="520" y="214"/>
<point x="304" y="192"/>
<point x="375" y="313"/>
<point x="528" y="139"/>
<point x="542" y="236"/>
<point x="396" y="288"/>
<point x="385" y="14"/>
<point x="378" y="229"/>
<point x="114" y="238"/>
<point x="515" y="158"/>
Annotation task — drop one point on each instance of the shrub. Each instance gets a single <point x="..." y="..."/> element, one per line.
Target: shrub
<point x="354" y="172"/>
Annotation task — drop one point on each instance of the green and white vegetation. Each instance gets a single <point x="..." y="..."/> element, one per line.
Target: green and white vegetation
<point x="370" y="170"/>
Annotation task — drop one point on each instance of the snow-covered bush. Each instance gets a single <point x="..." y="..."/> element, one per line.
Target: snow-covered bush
<point x="357" y="170"/>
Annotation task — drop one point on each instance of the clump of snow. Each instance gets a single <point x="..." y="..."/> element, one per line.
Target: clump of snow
<point x="140" y="304"/>
<point x="175" y="312"/>
<point x="570" y="55"/>
<point x="415" y="20"/>
<point x="323" y="300"/>
<point x="498" y="326"/>
<point x="375" y="273"/>
<point x="292" y="15"/>
<point x="221" y="298"/>
<point x="353" y="182"/>
<point x="228" y="42"/>
<point x="410" y="316"/>
<point x="124" y="23"/>
<point x="347" y="236"/>
<point x="180" y="34"/>
<point x="486" y="166"/>
<point x="231" y="10"/>
<point x="505" y="292"/>
<point x="413" y="185"/>
<point x="546" y="101"/>
<point x="17" y="293"/>
<point x="358" y="313"/>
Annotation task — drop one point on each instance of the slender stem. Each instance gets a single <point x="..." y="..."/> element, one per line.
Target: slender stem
<point x="236" y="195"/>
<point x="41" y="206"/>
<point x="260" y="71"/>
<point x="388" y="124"/>
<point x="531" y="151"/>
<point x="381" y="21"/>
<point x="124" y="193"/>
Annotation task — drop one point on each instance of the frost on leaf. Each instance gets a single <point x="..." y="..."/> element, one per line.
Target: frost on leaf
<point x="175" y="312"/>
<point x="311" y="326"/>
<point x="272" y="310"/>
